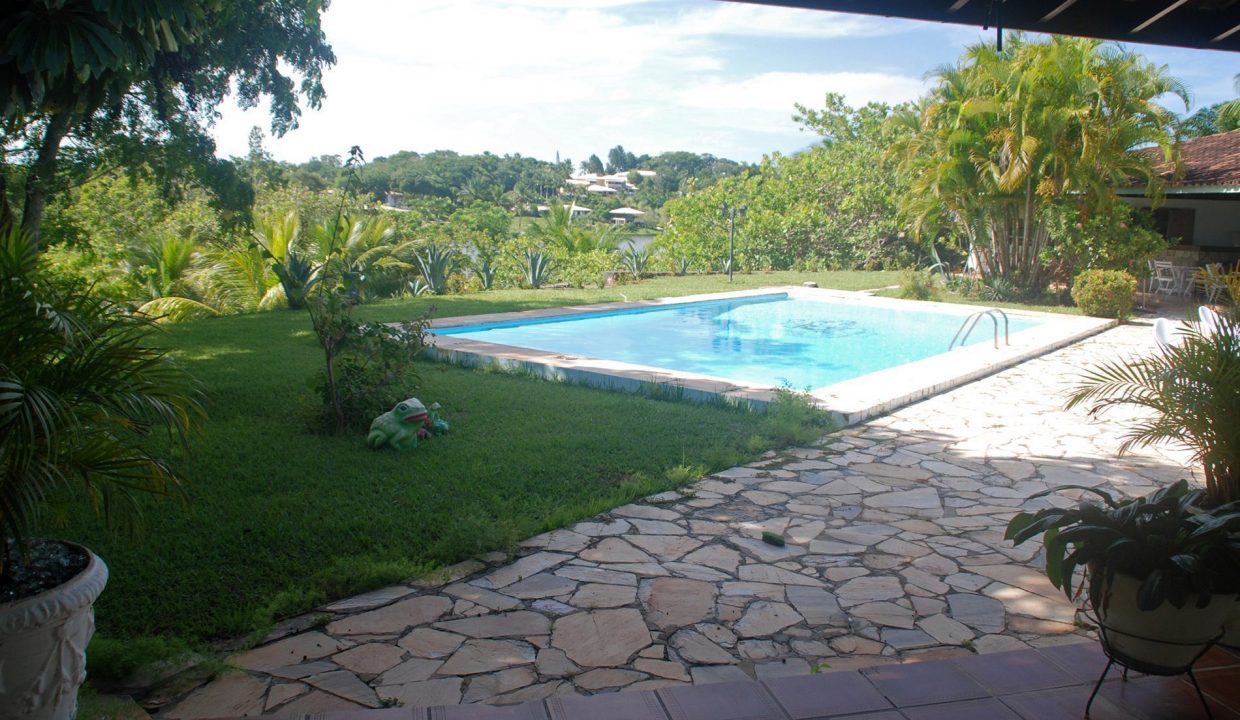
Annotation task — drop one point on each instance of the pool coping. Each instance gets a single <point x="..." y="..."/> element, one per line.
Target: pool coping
<point x="849" y="402"/>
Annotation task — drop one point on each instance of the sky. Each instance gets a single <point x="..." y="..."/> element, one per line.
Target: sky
<point x="576" y="77"/>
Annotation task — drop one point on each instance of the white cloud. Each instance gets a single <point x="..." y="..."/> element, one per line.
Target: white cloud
<point x="540" y="76"/>
<point x="778" y="91"/>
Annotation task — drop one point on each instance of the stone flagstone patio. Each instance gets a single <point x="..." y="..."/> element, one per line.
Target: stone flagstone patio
<point x="894" y="552"/>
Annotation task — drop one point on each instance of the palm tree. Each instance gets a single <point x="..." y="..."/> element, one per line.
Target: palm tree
<point x="1192" y="389"/>
<point x="1229" y="112"/>
<point x="80" y="389"/>
<point x="170" y="290"/>
<point x="1004" y="134"/>
<point x="560" y="230"/>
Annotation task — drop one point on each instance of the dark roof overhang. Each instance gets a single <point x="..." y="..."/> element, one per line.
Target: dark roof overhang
<point x="1202" y="24"/>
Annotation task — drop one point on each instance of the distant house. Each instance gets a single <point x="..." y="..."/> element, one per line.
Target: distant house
<point x="1200" y="215"/>
<point x="573" y="209"/>
<point x="611" y="185"/>
<point x="620" y="216"/>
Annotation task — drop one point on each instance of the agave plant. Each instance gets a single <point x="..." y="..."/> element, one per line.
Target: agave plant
<point x="436" y="265"/>
<point x="484" y="268"/>
<point x="682" y="266"/>
<point x="635" y="260"/>
<point x="80" y="388"/>
<point x="290" y="255"/>
<point x="535" y="266"/>
<point x="1192" y="389"/>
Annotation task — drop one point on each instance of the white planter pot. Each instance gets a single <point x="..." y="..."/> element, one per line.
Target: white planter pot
<point x="1231" y="630"/>
<point x="43" y="647"/>
<point x="1165" y="637"/>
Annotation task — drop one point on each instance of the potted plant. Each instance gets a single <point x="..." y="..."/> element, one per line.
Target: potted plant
<point x="1162" y="573"/>
<point x="1191" y="392"/>
<point x="80" y="389"/>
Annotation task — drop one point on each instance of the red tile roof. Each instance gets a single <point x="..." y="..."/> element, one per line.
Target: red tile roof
<point x="1209" y="160"/>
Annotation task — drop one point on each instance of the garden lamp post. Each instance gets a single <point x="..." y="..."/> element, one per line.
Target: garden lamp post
<point x="730" y="212"/>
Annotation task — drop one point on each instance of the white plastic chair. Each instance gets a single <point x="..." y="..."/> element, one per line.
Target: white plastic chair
<point x="1164" y="277"/>
<point x="1162" y="333"/>
<point x="1211" y="280"/>
<point x="1210" y="321"/>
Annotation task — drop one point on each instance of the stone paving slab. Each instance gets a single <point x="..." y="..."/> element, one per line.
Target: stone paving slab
<point x="893" y="552"/>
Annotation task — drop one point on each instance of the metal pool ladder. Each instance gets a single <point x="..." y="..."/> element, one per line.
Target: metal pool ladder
<point x="970" y="322"/>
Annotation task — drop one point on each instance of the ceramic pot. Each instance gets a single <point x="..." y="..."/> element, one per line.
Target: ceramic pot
<point x="1166" y="637"/>
<point x="1231" y="629"/>
<point x="43" y="642"/>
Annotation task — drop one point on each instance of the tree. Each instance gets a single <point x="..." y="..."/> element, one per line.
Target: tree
<point x="131" y="78"/>
<point x="593" y="165"/>
<point x="1229" y="112"/>
<point x="1004" y="134"/>
<point x="619" y="160"/>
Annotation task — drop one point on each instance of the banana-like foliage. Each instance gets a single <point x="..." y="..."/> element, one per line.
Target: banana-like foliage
<point x="1192" y="390"/>
<point x="80" y="388"/>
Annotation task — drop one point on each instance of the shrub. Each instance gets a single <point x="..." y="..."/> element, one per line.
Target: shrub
<point x="585" y="268"/>
<point x="917" y="285"/>
<point x="1105" y="293"/>
<point x="374" y="371"/>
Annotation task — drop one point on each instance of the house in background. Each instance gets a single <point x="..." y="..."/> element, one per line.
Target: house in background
<point x="1200" y="214"/>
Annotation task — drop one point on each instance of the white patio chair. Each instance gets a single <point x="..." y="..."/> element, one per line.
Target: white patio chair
<point x="1164" y="278"/>
<point x="1210" y="279"/>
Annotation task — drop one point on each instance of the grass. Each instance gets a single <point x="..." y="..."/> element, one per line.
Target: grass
<point x="947" y="296"/>
<point x="664" y="286"/>
<point x="278" y="519"/>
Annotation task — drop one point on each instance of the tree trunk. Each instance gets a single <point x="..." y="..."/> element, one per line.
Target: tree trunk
<point x="39" y="179"/>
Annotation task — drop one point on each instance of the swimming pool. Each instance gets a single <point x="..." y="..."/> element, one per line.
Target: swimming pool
<point x="858" y="355"/>
<point x="773" y="340"/>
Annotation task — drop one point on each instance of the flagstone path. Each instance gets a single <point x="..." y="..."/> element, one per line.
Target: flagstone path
<point x="893" y="551"/>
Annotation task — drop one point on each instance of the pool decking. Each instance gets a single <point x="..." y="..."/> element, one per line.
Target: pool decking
<point x="894" y="555"/>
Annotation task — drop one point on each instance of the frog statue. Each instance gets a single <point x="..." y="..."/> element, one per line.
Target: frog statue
<point x="399" y="427"/>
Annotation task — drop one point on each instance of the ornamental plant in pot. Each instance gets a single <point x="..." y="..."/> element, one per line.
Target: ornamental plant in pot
<point x="1162" y="573"/>
<point x="1190" y="392"/>
<point x="80" y="389"/>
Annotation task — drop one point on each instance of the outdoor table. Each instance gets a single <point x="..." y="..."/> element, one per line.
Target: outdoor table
<point x="1183" y="275"/>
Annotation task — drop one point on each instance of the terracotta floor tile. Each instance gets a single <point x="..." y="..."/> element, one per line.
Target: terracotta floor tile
<point x="1018" y="671"/>
<point x="524" y="711"/>
<point x="983" y="709"/>
<point x="721" y="701"/>
<point x="609" y="706"/>
<point x="396" y="713"/>
<point x="1222" y="684"/>
<point x="826" y="695"/>
<point x="924" y="683"/>
<point x="1066" y="702"/>
<point x="1161" y="698"/>
<point x="1081" y="660"/>
<point x="1217" y="657"/>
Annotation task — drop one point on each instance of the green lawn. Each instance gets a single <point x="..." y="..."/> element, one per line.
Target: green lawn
<point x="280" y="519"/>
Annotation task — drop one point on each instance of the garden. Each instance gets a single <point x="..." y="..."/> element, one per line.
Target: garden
<point x="202" y="343"/>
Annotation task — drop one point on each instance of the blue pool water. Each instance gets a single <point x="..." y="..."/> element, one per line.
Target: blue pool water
<point x="768" y="340"/>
